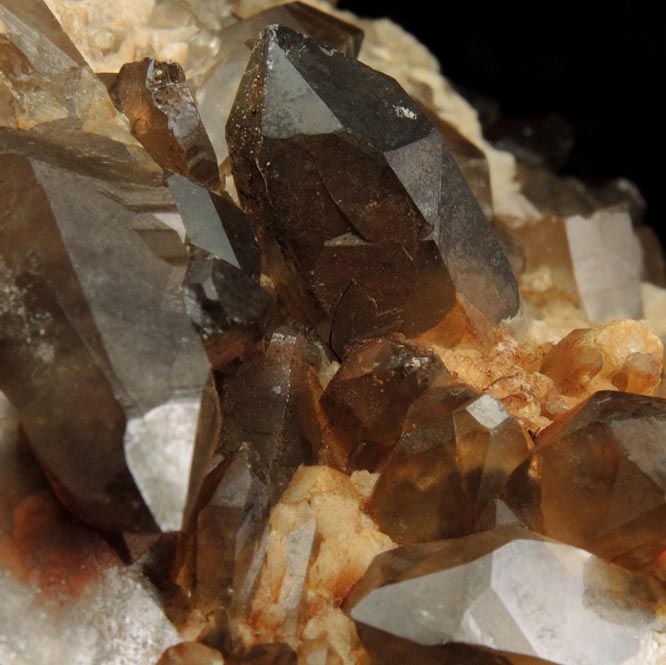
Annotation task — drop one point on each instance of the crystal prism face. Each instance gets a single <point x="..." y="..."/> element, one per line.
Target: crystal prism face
<point x="157" y="100"/>
<point x="471" y="161"/>
<point x="498" y="597"/>
<point x="593" y="261"/>
<point x="223" y="295"/>
<point x="53" y="107"/>
<point x="98" y="354"/>
<point x="442" y="475"/>
<point x="393" y="230"/>
<point x="368" y="397"/>
<point x="271" y="404"/>
<point x="596" y="479"/>
<point x="216" y="93"/>
<point x="66" y="597"/>
<point x="224" y="551"/>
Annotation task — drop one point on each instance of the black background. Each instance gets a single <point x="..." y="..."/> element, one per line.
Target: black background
<point x="601" y="66"/>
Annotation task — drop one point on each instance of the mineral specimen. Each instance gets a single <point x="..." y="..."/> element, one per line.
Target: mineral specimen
<point x="397" y="230"/>
<point x="98" y="354"/>
<point x="371" y="383"/>
<point x="270" y="403"/>
<point x="503" y="597"/>
<point x="223" y="295"/>
<point x="441" y="475"/>
<point x="159" y="104"/>
<point x="596" y="479"/>
<point x="216" y="93"/>
<point x="53" y="107"/>
<point x="368" y="397"/>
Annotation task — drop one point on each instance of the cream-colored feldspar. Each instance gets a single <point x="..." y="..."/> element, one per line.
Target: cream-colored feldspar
<point x="320" y="543"/>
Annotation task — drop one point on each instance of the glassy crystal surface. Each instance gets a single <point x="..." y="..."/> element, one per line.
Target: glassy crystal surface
<point x="98" y="354"/>
<point x="368" y="397"/>
<point x="163" y="116"/>
<point x="472" y="163"/>
<point x="223" y="553"/>
<point x="270" y="403"/>
<point x="222" y="292"/>
<point x="593" y="261"/>
<point x="442" y="474"/>
<point x="502" y="597"/>
<point x="596" y="479"/>
<point x="66" y="597"/>
<point x="376" y="225"/>
<point x="53" y="107"/>
<point x="215" y="95"/>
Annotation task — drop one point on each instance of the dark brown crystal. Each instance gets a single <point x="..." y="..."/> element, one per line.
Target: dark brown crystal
<point x="368" y="397"/>
<point x="223" y="295"/>
<point x="375" y="224"/>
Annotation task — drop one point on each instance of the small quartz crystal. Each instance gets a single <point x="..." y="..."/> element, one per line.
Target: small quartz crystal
<point x="157" y="100"/>
<point x="223" y="295"/>
<point x="368" y="397"/>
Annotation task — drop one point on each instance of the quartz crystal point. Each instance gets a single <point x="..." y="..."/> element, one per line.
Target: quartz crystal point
<point x="222" y="292"/>
<point x="501" y="597"/>
<point x="270" y="403"/>
<point x="98" y="354"/>
<point x="224" y="551"/>
<point x="157" y="100"/>
<point x="367" y="399"/>
<point x="362" y="207"/>
<point x="66" y="597"/>
<point x="216" y="93"/>
<point x="597" y="479"/>
<point x="53" y="107"/>
<point x="441" y="475"/>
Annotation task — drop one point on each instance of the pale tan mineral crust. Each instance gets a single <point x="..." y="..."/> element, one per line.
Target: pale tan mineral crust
<point x="322" y="511"/>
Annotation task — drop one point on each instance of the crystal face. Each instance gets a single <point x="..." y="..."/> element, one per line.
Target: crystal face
<point x="385" y="256"/>
<point x="158" y="102"/>
<point x="354" y="387"/>
<point x="80" y="319"/>
<point x="596" y="479"/>
<point x="441" y="476"/>
<point x="217" y="91"/>
<point x="368" y="397"/>
<point x="223" y="295"/>
<point x="53" y="107"/>
<point x="497" y="597"/>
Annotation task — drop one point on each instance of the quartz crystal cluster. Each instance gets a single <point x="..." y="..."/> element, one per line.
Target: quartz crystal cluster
<point x="296" y="367"/>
